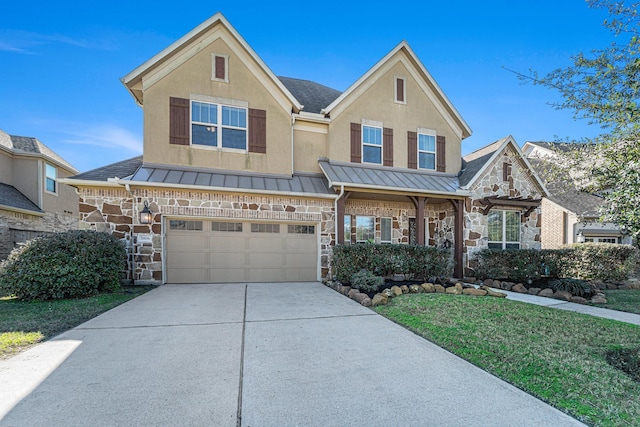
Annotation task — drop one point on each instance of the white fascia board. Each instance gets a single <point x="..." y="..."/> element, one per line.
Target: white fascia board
<point x="88" y="183"/>
<point x="42" y="156"/>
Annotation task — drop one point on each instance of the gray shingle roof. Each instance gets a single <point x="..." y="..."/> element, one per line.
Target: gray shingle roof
<point x="299" y="183"/>
<point x="120" y="169"/>
<point x="399" y="179"/>
<point x="30" y="145"/>
<point x="313" y="96"/>
<point x="472" y="163"/>
<point x="12" y="197"/>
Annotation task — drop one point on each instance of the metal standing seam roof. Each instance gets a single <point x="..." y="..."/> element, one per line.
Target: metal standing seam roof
<point x="356" y="175"/>
<point x="315" y="184"/>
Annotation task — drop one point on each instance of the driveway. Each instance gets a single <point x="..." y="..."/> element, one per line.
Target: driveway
<point x="292" y="354"/>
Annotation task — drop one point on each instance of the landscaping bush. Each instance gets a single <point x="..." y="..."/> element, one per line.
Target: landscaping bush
<point x="576" y="287"/>
<point x="366" y="282"/>
<point x="415" y="262"/>
<point x="72" y="264"/>
<point x="587" y="261"/>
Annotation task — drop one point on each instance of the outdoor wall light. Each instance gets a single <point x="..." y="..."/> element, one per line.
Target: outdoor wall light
<point x="145" y="214"/>
<point x="580" y="237"/>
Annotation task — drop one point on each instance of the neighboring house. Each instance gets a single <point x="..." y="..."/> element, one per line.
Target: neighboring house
<point x="32" y="201"/>
<point x="253" y="177"/>
<point x="569" y="216"/>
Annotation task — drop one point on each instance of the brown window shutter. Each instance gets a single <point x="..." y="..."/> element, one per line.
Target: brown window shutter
<point x="179" y="121"/>
<point x="257" y="131"/>
<point x="387" y="147"/>
<point x="220" y="68"/>
<point x="412" y="149"/>
<point x="400" y="90"/>
<point x="441" y="153"/>
<point x="356" y="143"/>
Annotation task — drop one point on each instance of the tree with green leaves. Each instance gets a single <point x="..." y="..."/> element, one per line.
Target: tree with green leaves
<point x="603" y="86"/>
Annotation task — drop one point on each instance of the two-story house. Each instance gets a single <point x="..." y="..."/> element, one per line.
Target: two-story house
<point x="32" y="201"/>
<point x="569" y="215"/>
<point x="254" y="177"/>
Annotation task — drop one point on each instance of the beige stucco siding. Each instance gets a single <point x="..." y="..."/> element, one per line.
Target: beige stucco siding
<point x="377" y="102"/>
<point x="193" y="77"/>
<point x="26" y="176"/>
<point x="65" y="200"/>
<point x="310" y="143"/>
<point x="6" y="168"/>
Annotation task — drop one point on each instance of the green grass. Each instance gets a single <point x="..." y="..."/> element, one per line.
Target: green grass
<point x="556" y="355"/>
<point x="622" y="300"/>
<point x="23" y="324"/>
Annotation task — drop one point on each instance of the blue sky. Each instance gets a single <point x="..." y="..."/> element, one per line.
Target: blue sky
<point x="61" y="61"/>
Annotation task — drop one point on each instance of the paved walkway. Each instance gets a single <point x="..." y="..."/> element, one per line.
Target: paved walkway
<point x="571" y="306"/>
<point x="294" y="354"/>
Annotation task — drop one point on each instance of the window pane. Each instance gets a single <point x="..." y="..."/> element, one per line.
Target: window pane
<point x="371" y="135"/>
<point x="512" y="246"/>
<point x="426" y="142"/>
<point x="513" y="226"/>
<point x="385" y="229"/>
<point x="234" y="138"/>
<point x="365" y="228"/>
<point x="371" y="154"/>
<point x="427" y="161"/>
<point x="204" y="135"/>
<point x="495" y="245"/>
<point x="495" y="226"/>
<point x="232" y="116"/>
<point x="204" y="113"/>
<point x="51" y="185"/>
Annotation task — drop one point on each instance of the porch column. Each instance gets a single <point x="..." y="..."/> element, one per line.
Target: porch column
<point x="340" y="207"/>
<point x="458" y="206"/>
<point x="419" y="203"/>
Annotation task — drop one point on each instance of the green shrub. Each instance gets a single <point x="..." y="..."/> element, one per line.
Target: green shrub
<point x="576" y="287"/>
<point x="366" y="281"/>
<point x="419" y="262"/>
<point x="587" y="261"/>
<point x="72" y="264"/>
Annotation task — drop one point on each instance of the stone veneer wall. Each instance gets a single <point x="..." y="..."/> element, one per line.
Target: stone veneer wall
<point x="116" y="211"/>
<point x="13" y="222"/>
<point x="519" y="184"/>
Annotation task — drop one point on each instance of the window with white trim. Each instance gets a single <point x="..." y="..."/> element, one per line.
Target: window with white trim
<point x="218" y="125"/>
<point x="504" y="229"/>
<point x="365" y="229"/>
<point x="50" y="180"/>
<point x="372" y="144"/>
<point x="426" y="151"/>
<point x="385" y="230"/>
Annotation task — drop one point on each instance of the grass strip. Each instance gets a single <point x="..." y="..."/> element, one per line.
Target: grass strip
<point x="555" y="355"/>
<point x="622" y="300"/>
<point x="23" y="324"/>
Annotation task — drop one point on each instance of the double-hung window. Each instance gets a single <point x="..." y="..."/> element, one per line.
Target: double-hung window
<point x="217" y="125"/>
<point x="51" y="174"/>
<point x="365" y="229"/>
<point x="504" y="229"/>
<point x="372" y="144"/>
<point x="426" y="151"/>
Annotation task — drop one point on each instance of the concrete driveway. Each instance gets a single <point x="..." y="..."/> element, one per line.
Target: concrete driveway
<point x="293" y="354"/>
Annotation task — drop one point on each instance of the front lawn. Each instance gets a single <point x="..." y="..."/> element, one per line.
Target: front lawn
<point x="23" y="324"/>
<point x="622" y="300"/>
<point x="555" y="355"/>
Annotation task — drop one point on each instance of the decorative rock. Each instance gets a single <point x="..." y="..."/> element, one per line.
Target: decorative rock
<point x="563" y="295"/>
<point x="344" y="290"/>
<point x="428" y="288"/>
<point x="363" y="299"/>
<point x="611" y="286"/>
<point x="578" y="300"/>
<point x="534" y="291"/>
<point x="388" y="293"/>
<point x="459" y="287"/>
<point x="599" y="299"/>
<point x="453" y="290"/>
<point x="497" y="284"/>
<point x="416" y="289"/>
<point x="405" y="289"/>
<point x="396" y="290"/>
<point x="492" y="293"/>
<point x="519" y="288"/>
<point x="439" y="289"/>
<point x="488" y="282"/>
<point x="547" y="292"/>
<point x="352" y="293"/>
<point x="379" y="299"/>
<point x="474" y="292"/>
<point x="507" y="286"/>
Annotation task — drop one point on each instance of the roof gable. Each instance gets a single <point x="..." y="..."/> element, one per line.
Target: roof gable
<point x="29" y="146"/>
<point x="216" y="27"/>
<point x="402" y="53"/>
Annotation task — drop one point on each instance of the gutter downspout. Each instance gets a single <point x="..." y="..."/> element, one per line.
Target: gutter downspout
<point x="293" y="122"/>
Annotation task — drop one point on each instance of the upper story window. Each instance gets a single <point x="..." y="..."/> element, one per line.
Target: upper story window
<point x="426" y="151"/>
<point x="504" y="229"/>
<point x="372" y="144"/>
<point x="51" y="174"/>
<point x="220" y="67"/>
<point x="217" y="125"/>
<point x="400" y="90"/>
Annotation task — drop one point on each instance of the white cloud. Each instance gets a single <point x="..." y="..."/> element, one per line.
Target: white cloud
<point x="26" y="42"/>
<point x="106" y="136"/>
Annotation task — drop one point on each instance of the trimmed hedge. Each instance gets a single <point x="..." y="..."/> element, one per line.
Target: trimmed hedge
<point x="415" y="262"/>
<point x="72" y="264"/>
<point x="585" y="261"/>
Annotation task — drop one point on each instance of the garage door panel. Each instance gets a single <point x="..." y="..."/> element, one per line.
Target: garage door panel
<point x="297" y="245"/>
<point x="222" y="260"/>
<point x="187" y="275"/>
<point x="266" y="275"/>
<point x="227" y="275"/>
<point x="298" y="260"/>
<point x="299" y="275"/>
<point x="228" y="242"/>
<point x="188" y="260"/>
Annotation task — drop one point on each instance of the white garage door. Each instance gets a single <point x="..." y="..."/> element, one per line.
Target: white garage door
<point x="207" y="251"/>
